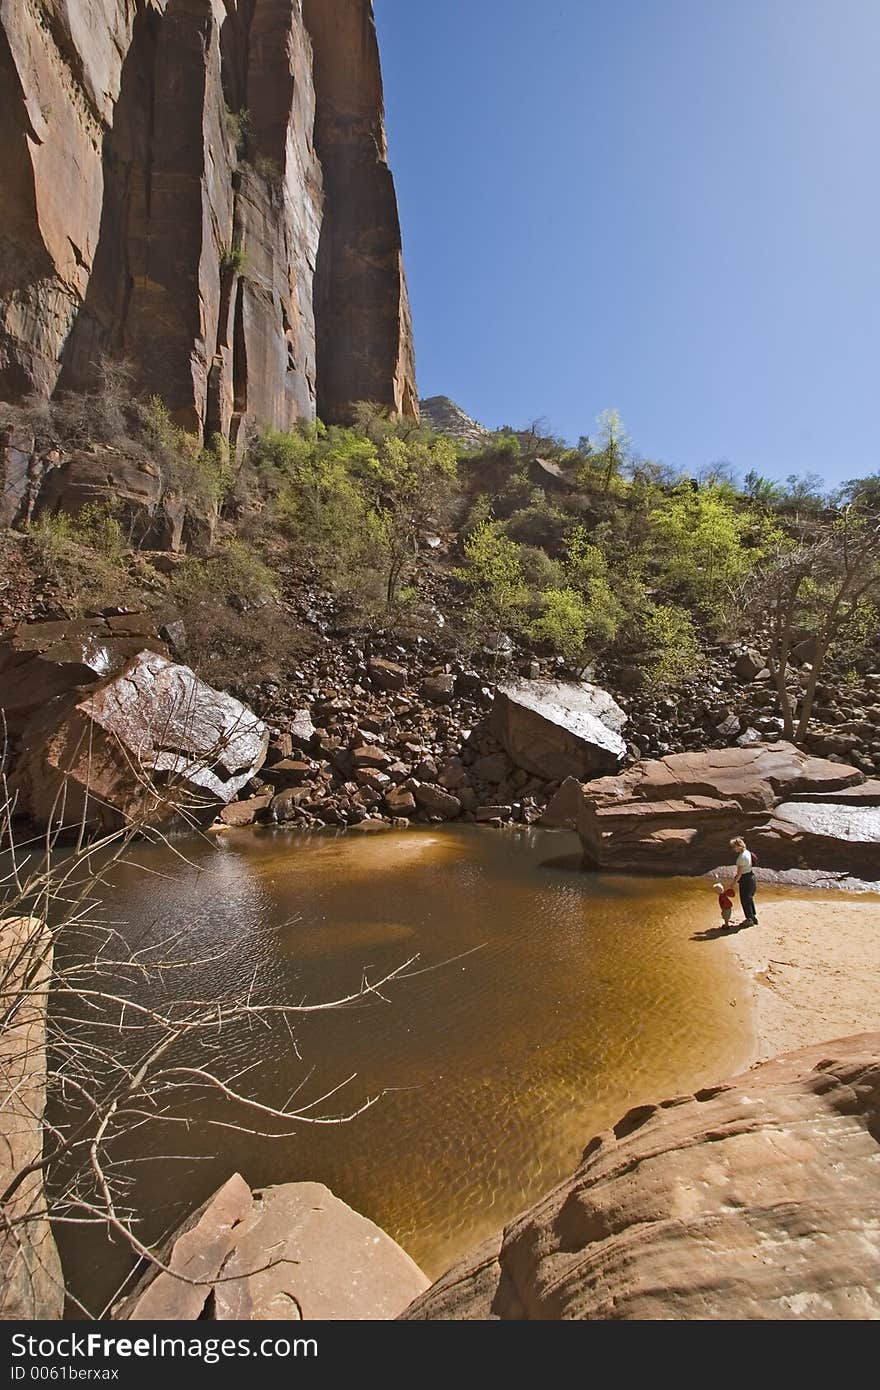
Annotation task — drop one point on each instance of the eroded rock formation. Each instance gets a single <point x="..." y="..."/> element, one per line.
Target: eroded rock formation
<point x="201" y="186"/>
<point x="289" y="1252"/>
<point x="753" y="1199"/>
<point x="677" y="814"/>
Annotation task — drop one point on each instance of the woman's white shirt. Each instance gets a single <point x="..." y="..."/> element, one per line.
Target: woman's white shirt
<point x="744" y="862"/>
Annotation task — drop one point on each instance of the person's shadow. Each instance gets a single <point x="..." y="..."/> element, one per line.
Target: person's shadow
<point x="713" y="933"/>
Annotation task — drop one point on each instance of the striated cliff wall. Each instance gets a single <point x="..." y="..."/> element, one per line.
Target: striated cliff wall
<point x="201" y="187"/>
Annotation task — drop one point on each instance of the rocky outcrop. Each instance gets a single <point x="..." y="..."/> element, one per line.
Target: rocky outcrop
<point x="34" y="483"/>
<point x="754" y="1199"/>
<point x="31" y="1285"/>
<point x="555" y="729"/>
<point x="290" y="1252"/>
<point x="364" y="327"/>
<point x="677" y="814"/>
<point x="445" y="417"/>
<point x="201" y="186"/>
<point x="150" y="743"/>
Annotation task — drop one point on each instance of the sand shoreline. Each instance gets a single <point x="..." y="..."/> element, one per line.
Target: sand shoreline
<point x="812" y="967"/>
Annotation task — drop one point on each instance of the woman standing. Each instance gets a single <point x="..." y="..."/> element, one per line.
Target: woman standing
<point x="745" y="877"/>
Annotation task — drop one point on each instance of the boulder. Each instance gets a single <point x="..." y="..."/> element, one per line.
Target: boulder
<point x="31" y="1285"/>
<point x="370" y="756"/>
<point x="290" y="1252"/>
<point x="387" y="675"/>
<point x="749" y="665"/>
<point x="492" y="768"/>
<point x="400" y="802"/>
<point x="437" y="801"/>
<point x="150" y="743"/>
<point x="438" y="690"/>
<point x="240" y="813"/>
<point x="556" y="730"/>
<point x="41" y="661"/>
<point x="301" y="731"/>
<point x="150" y="518"/>
<point x="288" y="772"/>
<point x="677" y="814"/>
<point x="754" y="1199"/>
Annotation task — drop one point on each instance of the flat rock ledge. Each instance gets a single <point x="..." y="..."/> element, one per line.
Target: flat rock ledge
<point x="289" y="1252"/>
<point x="754" y="1199"/>
<point x="677" y="814"/>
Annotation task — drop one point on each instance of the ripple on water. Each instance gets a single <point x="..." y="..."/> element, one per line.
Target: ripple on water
<point x="549" y="1001"/>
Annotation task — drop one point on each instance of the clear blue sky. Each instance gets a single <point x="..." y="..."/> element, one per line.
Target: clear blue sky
<point x="670" y="207"/>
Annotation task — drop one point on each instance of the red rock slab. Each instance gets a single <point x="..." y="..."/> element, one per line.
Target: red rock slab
<point x="754" y="1199"/>
<point x="325" y="1261"/>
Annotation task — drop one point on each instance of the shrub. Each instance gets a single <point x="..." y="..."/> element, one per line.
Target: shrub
<point x="84" y="555"/>
<point x="202" y="475"/>
<point x="235" y="575"/>
<point x="237" y="124"/>
<point x="269" y="170"/>
<point x="539" y="523"/>
<point x="668" y="638"/>
<point x="233" y="258"/>
<point x="563" y="624"/>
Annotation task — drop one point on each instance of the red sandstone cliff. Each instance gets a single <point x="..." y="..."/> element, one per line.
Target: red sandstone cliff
<point x="201" y="186"/>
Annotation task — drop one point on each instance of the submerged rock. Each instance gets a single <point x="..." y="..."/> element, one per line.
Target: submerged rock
<point x="289" y="1252"/>
<point x="756" y="1198"/>
<point x="556" y="729"/>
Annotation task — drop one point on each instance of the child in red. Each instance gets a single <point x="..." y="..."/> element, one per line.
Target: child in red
<point x="725" y="902"/>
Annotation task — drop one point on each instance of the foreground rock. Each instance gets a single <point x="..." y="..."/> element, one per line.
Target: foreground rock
<point x="149" y="743"/>
<point x="556" y="729"/>
<point x="289" y="1252"/>
<point x="677" y="814"/>
<point x="30" y="1271"/>
<point x="753" y="1199"/>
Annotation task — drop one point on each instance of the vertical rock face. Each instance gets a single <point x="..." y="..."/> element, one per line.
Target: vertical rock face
<point x="364" y="340"/>
<point x="201" y="186"/>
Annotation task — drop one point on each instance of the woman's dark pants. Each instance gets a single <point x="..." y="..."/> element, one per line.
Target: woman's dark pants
<point x="747" y="888"/>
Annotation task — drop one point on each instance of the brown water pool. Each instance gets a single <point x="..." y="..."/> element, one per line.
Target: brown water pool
<point x="586" y="994"/>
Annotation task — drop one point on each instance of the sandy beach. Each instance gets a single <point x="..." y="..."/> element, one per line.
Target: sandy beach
<point x="814" y="966"/>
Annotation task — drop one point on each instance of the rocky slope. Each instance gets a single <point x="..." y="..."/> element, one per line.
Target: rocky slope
<point x="753" y="1199"/>
<point x="201" y="186"/>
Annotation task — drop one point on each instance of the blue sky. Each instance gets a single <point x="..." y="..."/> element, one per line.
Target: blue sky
<point x="669" y="207"/>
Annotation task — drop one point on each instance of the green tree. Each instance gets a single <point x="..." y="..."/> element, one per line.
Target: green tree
<point x="704" y="543"/>
<point x="611" y="448"/>
<point x="563" y="624"/>
<point x="669" y="643"/>
<point x="493" y="572"/>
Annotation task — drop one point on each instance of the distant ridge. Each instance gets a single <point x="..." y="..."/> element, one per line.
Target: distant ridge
<point x="444" y="416"/>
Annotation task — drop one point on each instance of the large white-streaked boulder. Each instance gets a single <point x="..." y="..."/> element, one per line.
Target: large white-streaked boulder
<point x="150" y="743"/>
<point x="558" y="729"/>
